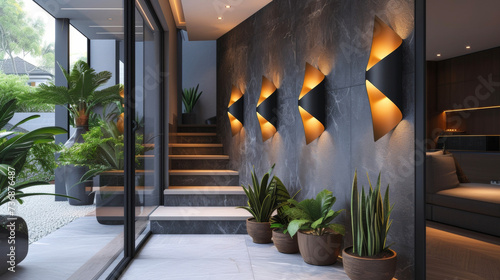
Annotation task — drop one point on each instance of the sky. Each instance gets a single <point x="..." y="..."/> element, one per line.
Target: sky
<point x="78" y="42"/>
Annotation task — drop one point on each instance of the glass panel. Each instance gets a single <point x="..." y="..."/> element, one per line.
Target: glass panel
<point x="148" y="115"/>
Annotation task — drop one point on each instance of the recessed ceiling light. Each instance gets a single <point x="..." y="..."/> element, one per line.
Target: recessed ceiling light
<point x="110" y="18"/>
<point x="467" y="47"/>
<point x="219" y="18"/>
<point x="438" y="54"/>
<point x="228" y="6"/>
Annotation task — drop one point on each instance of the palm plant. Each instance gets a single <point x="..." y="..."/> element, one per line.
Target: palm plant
<point x="264" y="197"/>
<point x="81" y="96"/>
<point x="281" y="219"/>
<point x="14" y="148"/>
<point x="190" y="97"/>
<point x="314" y="215"/>
<point x="370" y="219"/>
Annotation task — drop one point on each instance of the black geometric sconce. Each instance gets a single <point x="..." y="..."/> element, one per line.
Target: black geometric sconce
<point x="266" y="109"/>
<point x="312" y="103"/>
<point x="383" y="79"/>
<point x="235" y="110"/>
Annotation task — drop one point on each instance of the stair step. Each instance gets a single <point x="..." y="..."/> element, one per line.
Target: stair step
<point x="195" y="145"/>
<point x="198" y="157"/>
<point x="193" y="137"/>
<point x="202" y="172"/>
<point x="196" y="128"/>
<point x="196" y="149"/>
<point x="204" y="190"/>
<point x="204" y="196"/>
<point x="198" y="220"/>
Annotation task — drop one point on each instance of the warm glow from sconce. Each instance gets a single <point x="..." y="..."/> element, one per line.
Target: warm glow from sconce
<point x="236" y="125"/>
<point x="266" y="109"/>
<point x="312" y="103"/>
<point x="472" y="109"/>
<point x="384" y="79"/>
<point x="385" y="41"/>
<point x="313" y="128"/>
<point x="385" y="114"/>
<point x="235" y="110"/>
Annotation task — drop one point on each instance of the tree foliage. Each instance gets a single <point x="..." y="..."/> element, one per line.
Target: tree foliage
<point x="19" y="34"/>
<point x="16" y="87"/>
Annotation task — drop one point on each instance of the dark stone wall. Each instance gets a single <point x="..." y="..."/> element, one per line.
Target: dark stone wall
<point x="334" y="36"/>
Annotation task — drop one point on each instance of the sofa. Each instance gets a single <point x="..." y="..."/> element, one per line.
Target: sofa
<point x="451" y="199"/>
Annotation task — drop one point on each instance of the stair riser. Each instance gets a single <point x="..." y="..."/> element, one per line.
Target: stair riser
<point x="196" y="139"/>
<point x="204" y="180"/>
<point x="208" y="129"/>
<point x="205" y="200"/>
<point x="209" y="164"/>
<point x="196" y="151"/>
<point x="119" y="180"/>
<point x="198" y="227"/>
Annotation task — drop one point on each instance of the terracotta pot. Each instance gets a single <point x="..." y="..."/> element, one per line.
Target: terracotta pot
<point x="260" y="232"/>
<point x="320" y="249"/>
<point x="361" y="268"/>
<point x="284" y="243"/>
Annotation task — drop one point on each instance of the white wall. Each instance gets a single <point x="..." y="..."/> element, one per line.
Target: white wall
<point x="199" y="66"/>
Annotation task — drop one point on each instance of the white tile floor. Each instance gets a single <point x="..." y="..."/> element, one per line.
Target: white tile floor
<point x="220" y="257"/>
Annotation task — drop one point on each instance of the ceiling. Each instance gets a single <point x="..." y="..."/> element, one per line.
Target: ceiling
<point x="454" y="24"/>
<point x="200" y="17"/>
<point x="96" y="19"/>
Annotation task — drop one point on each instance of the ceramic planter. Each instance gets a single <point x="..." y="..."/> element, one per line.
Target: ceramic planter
<point x="15" y="227"/>
<point x="260" y="232"/>
<point x="320" y="249"/>
<point x="284" y="243"/>
<point x="360" y="268"/>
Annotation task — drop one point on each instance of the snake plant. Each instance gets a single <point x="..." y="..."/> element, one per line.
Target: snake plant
<point x="190" y="97"/>
<point x="370" y="217"/>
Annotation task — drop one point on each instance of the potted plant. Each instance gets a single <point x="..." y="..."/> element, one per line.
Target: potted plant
<point x="262" y="201"/>
<point x="14" y="148"/>
<point x="281" y="238"/>
<point x="189" y="98"/>
<point x="319" y="240"/>
<point x="80" y="98"/>
<point x="370" y="257"/>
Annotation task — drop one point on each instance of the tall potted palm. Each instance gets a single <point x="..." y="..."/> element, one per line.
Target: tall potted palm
<point x="14" y="148"/>
<point x="370" y="256"/>
<point x="80" y="98"/>
<point x="189" y="98"/>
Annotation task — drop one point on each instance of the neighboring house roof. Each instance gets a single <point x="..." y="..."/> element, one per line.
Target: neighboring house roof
<point x="23" y="67"/>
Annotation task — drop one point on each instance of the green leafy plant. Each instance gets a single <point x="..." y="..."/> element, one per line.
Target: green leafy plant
<point x="102" y="150"/>
<point x="281" y="220"/>
<point x="190" y="97"/>
<point x="314" y="215"/>
<point x="264" y="197"/>
<point x="14" y="149"/>
<point x="370" y="217"/>
<point x="16" y="87"/>
<point x="81" y="96"/>
<point x="40" y="162"/>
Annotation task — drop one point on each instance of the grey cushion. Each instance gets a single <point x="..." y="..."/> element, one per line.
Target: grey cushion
<point x="441" y="173"/>
<point x="472" y="197"/>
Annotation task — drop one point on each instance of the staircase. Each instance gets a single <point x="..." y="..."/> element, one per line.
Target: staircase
<point x="203" y="193"/>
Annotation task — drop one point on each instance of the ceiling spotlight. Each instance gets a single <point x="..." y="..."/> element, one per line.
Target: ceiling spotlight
<point x="228" y="6"/>
<point x="467" y="47"/>
<point x="438" y="54"/>
<point x="219" y="18"/>
<point x="110" y="18"/>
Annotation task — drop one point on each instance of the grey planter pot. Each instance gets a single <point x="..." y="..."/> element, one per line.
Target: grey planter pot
<point x="12" y="226"/>
<point x="72" y="174"/>
<point x="188" y="118"/>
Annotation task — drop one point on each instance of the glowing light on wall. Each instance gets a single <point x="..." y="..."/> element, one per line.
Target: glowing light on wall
<point x="235" y="110"/>
<point x="383" y="79"/>
<point x="312" y="103"/>
<point x="266" y="109"/>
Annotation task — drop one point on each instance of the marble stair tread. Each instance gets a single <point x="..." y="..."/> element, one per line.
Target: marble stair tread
<point x="199" y="213"/>
<point x="204" y="190"/>
<point x="196" y="172"/>
<point x="120" y="172"/>
<point x="193" y="134"/>
<point x="198" y="157"/>
<point x="194" y="145"/>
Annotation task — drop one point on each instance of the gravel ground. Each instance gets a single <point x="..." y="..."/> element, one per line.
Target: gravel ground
<point x="45" y="215"/>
